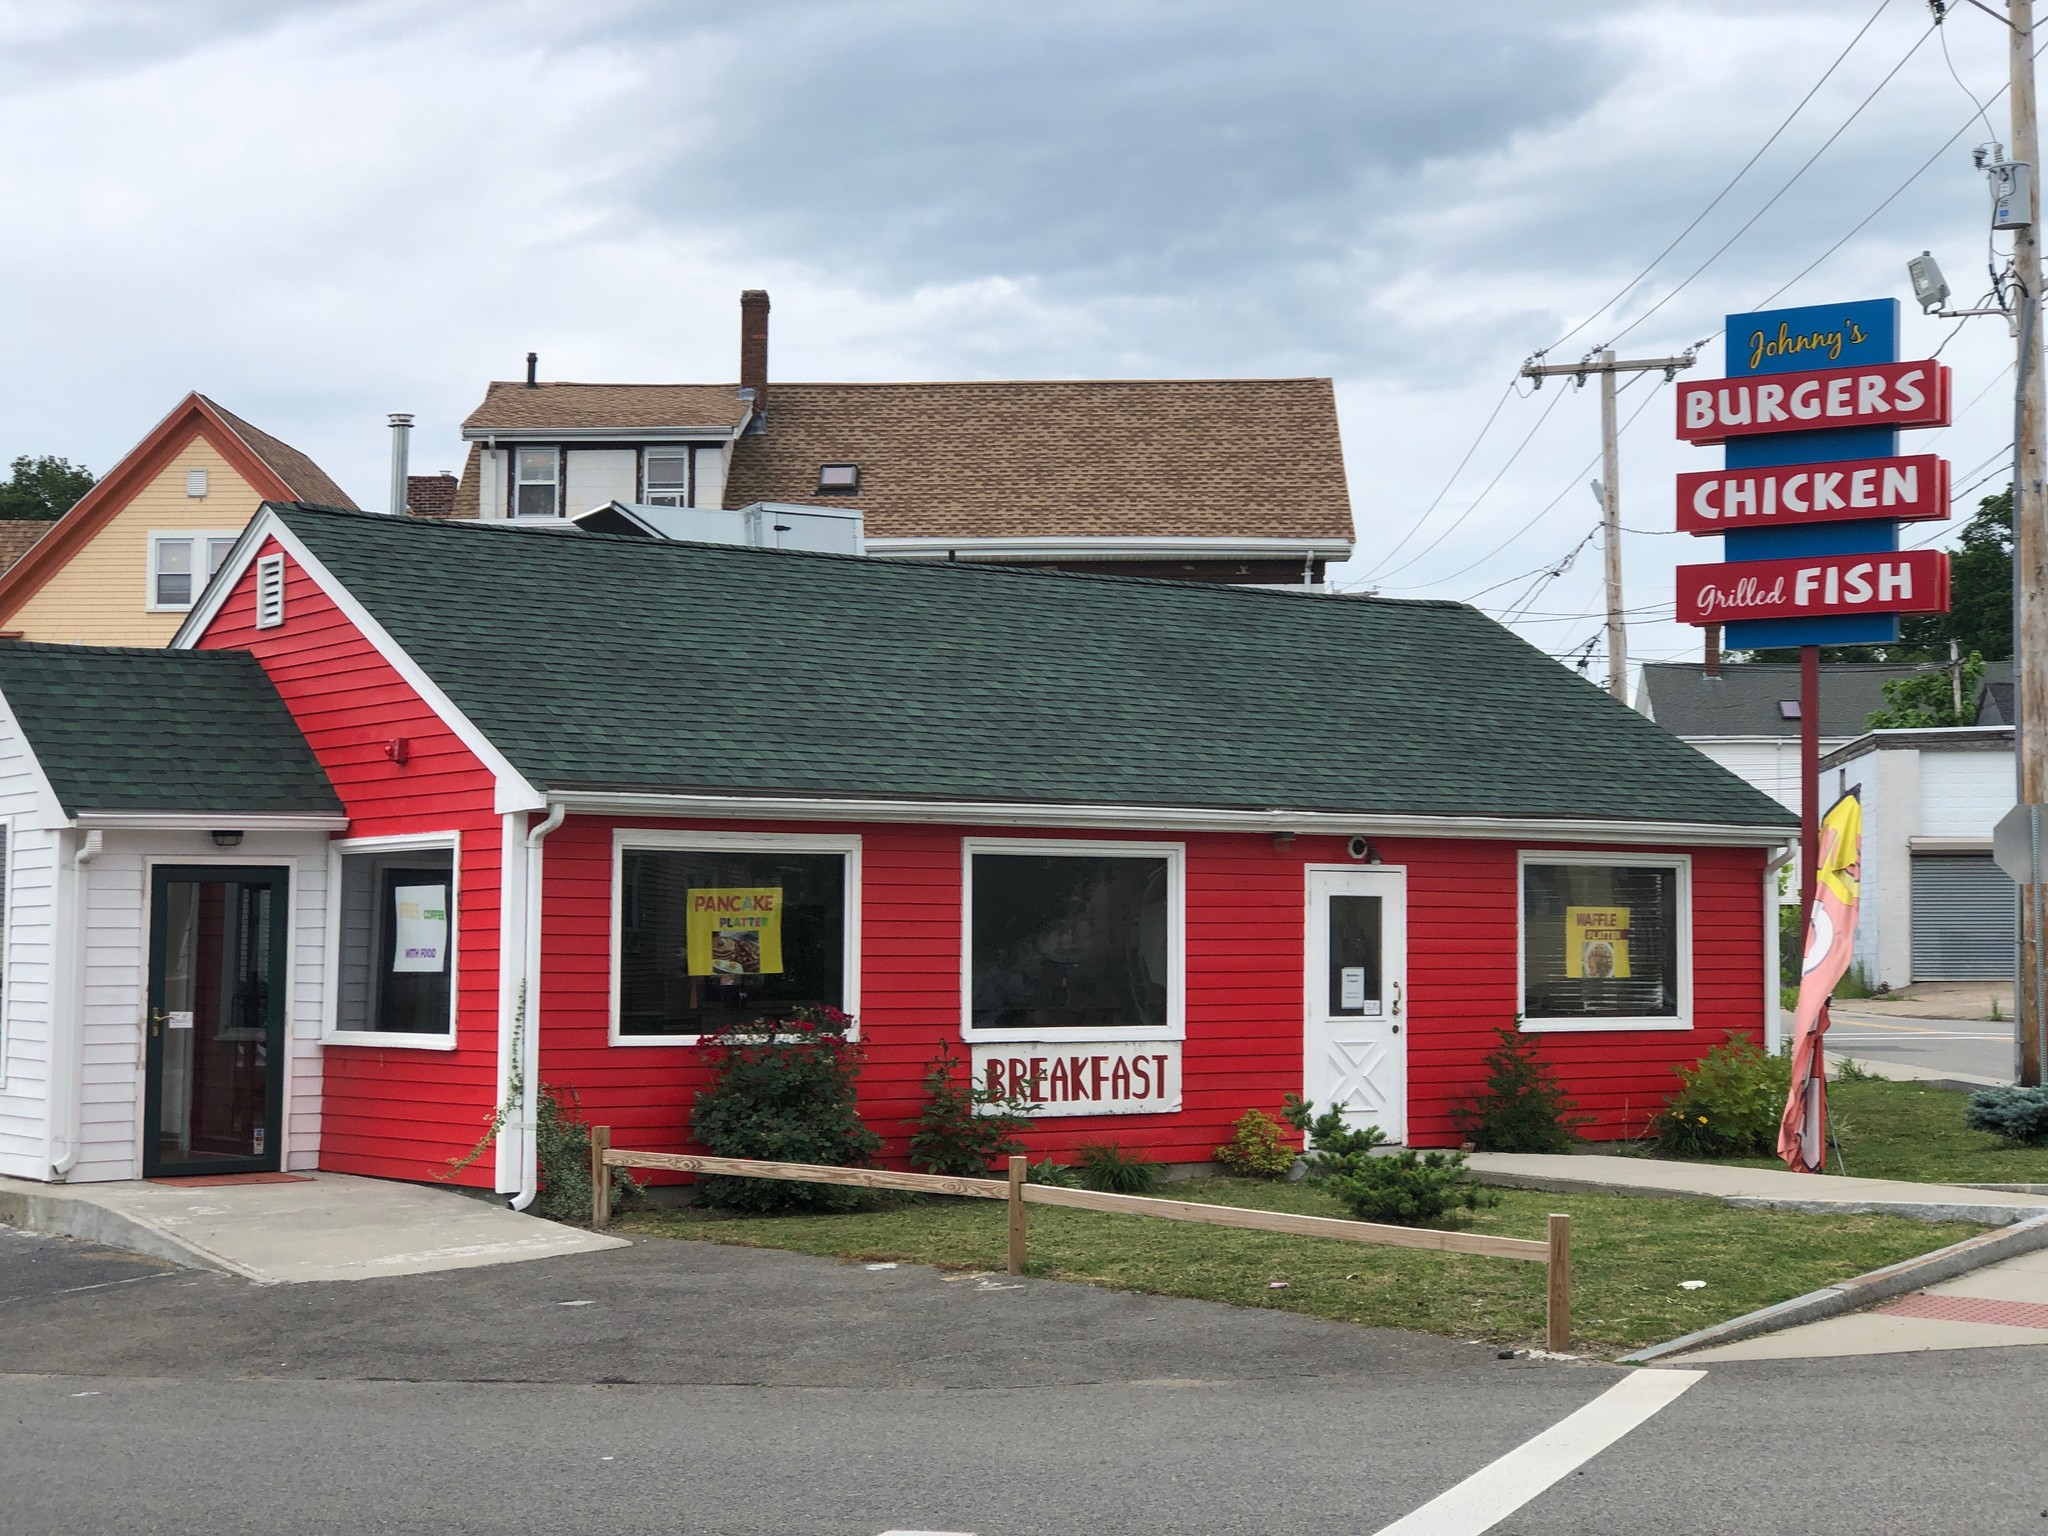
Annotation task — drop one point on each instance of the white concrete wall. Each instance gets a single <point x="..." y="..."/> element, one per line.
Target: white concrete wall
<point x="597" y="476"/>
<point x="1771" y="765"/>
<point x="1962" y="794"/>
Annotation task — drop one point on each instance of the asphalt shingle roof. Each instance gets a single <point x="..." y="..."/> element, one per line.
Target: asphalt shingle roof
<point x="597" y="662"/>
<point x="1744" y="699"/>
<point x="127" y="729"/>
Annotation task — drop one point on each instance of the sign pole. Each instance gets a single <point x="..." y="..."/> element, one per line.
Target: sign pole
<point x="1809" y="783"/>
<point x="2030" y="541"/>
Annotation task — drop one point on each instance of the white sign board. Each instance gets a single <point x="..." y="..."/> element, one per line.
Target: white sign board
<point x="422" y="928"/>
<point x="1060" y="1078"/>
<point x="178" y="1018"/>
<point x="1351" y="987"/>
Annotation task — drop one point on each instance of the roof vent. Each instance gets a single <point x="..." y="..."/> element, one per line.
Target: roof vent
<point x="195" y="484"/>
<point x="1788" y="709"/>
<point x="270" y="591"/>
<point x="838" y="479"/>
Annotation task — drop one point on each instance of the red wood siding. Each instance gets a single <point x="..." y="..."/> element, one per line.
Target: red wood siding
<point x="1245" y="914"/>
<point x="391" y="1113"/>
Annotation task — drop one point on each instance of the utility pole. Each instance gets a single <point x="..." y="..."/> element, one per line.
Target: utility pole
<point x="2030" y="540"/>
<point x="1607" y="365"/>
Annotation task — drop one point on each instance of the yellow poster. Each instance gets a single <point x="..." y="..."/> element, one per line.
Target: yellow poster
<point x="1596" y="943"/>
<point x="735" y="931"/>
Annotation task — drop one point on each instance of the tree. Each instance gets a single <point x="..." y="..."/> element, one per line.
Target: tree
<point x="43" y="488"/>
<point x="1979" y="618"/>
<point x="1929" y="700"/>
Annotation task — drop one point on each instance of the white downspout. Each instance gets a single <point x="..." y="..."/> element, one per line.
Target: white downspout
<point x="1774" y="1031"/>
<point x="67" y="1087"/>
<point x="529" y="1034"/>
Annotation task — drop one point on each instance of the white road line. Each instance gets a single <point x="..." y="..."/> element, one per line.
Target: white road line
<point x="1494" y="1492"/>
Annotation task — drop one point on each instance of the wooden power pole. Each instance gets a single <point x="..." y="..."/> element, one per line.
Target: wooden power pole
<point x="1607" y="365"/>
<point x="2030" y="540"/>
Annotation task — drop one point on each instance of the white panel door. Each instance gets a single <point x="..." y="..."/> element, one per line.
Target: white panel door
<point x="1355" y="1051"/>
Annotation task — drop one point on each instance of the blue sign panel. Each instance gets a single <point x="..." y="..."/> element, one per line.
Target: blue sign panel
<point x="1795" y="341"/>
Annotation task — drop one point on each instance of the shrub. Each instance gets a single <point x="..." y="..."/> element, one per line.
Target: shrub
<point x="562" y="1149"/>
<point x="1108" y="1167"/>
<point x="956" y="1131"/>
<point x="1523" y="1108"/>
<point x="1406" y="1188"/>
<point x="1728" y="1103"/>
<point x="2018" y="1114"/>
<point x="783" y="1090"/>
<point x="1049" y="1172"/>
<point x="1258" y="1149"/>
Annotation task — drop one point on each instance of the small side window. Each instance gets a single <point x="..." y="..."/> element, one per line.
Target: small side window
<point x="668" y="477"/>
<point x="270" y="592"/>
<point x="170" y="573"/>
<point x="535" y="483"/>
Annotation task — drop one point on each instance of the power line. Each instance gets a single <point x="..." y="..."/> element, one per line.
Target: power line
<point x="1749" y="164"/>
<point x="1416" y="527"/>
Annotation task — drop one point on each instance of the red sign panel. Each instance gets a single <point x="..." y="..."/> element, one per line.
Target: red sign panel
<point x="1911" y="488"/>
<point x="1908" y="581"/>
<point x="1875" y="395"/>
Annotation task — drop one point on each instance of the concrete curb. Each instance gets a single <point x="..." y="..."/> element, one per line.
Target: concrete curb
<point x="1989" y="1213"/>
<point x="1865" y="1290"/>
<point x="60" y="1215"/>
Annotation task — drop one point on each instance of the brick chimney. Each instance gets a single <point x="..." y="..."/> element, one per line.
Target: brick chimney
<point x="754" y="347"/>
<point x="1712" y="635"/>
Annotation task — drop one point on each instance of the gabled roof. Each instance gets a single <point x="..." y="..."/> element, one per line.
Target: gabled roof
<point x="275" y="469"/>
<point x="631" y="664"/>
<point x="1151" y="458"/>
<point x="1744" y="700"/>
<point x="184" y="732"/>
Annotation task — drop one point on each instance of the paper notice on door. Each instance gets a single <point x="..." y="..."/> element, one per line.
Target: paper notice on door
<point x="178" y="1019"/>
<point x="422" y="928"/>
<point x="1351" y="987"/>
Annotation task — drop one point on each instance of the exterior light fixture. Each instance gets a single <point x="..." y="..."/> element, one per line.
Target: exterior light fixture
<point x="227" y="839"/>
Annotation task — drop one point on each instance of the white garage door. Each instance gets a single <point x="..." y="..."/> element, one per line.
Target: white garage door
<point x="1965" y="917"/>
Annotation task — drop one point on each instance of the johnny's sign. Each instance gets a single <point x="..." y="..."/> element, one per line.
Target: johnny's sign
<point x="1877" y="395"/>
<point x="1058" y="1079"/>
<point x="1909" y="581"/>
<point x="1911" y="488"/>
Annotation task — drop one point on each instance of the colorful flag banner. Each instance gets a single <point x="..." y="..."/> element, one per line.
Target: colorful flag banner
<point x="1830" y="934"/>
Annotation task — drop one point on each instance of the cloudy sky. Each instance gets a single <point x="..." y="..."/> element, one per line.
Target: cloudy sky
<point x="321" y="212"/>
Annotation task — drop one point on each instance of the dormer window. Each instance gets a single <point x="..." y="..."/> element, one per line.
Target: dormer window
<point x="536" y="483"/>
<point x="668" y="477"/>
<point x="838" y="479"/>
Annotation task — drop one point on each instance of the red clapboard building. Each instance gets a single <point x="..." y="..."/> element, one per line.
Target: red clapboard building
<point x="1151" y="853"/>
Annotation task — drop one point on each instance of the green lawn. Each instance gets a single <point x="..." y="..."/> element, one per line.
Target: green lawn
<point x="1905" y="1131"/>
<point x="1629" y="1257"/>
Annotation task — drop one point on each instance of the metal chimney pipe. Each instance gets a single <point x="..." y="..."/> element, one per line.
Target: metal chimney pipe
<point x="532" y="369"/>
<point x="401" y="455"/>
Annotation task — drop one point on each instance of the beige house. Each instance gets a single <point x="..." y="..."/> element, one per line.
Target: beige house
<point x="124" y="565"/>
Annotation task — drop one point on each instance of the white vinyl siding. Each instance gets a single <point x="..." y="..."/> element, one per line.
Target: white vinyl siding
<point x="710" y="472"/>
<point x="599" y="476"/>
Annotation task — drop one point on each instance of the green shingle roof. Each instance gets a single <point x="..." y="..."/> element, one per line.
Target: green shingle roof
<point x="121" y="729"/>
<point x="597" y="662"/>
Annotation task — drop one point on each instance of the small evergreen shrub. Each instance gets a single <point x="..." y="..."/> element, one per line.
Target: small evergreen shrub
<point x="1404" y="1188"/>
<point x="1258" y="1147"/>
<point x="562" y="1149"/>
<point x="784" y="1090"/>
<point x="1728" y="1103"/>
<point x="964" y="1127"/>
<point x="1107" y="1167"/>
<point x="2018" y="1114"/>
<point x="1523" y="1107"/>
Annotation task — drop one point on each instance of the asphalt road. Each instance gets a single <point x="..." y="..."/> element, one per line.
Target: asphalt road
<point x="1972" y="1047"/>
<point x="716" y="1390"/>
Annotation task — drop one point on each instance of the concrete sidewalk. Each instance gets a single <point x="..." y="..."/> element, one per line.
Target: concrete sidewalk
<point x="1754" y="1187"/>
<point x="323" y="1226"/>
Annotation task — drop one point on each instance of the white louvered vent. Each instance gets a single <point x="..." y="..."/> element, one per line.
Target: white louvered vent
<point x="270" y="591"/>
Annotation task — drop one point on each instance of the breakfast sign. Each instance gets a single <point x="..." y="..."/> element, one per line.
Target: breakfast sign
<point x="1813" y="489"/>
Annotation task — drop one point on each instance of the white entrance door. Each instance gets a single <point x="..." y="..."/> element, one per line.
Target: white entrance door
<point x="1355" y="1045"/>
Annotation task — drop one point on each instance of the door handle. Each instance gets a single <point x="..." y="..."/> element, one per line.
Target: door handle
<point x="1397" y="1002"/>
<point x="156" y="1022"/>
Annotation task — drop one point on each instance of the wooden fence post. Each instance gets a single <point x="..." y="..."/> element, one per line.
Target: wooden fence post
<point x="600" y="1177"/>
<point x="1017" y="1171"/>
<point x="1559" y="1272"/>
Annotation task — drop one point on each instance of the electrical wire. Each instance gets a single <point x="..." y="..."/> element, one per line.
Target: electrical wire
<point x="1771" y="202"/>
<point x="1990" y="132"/>
<point x="1416" y="527"/>
<point x="1747" y="165"/>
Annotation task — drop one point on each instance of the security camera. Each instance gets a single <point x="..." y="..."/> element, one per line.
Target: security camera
<point x="1358" y="848"/>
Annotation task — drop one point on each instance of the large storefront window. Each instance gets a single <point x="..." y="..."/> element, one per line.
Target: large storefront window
<point x="395" y="944"/>
<point x="1071" y="940"/>
<point x="1603" y="944"/>
<point x="715" y="936"/>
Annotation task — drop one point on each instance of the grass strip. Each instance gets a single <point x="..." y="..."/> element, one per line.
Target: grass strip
<point x="1630" y="1256"/>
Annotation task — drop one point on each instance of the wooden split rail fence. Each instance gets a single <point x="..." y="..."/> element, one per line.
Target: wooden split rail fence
<point x="1555" y="1253"/>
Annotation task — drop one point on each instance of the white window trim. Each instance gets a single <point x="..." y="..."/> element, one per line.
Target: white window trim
<point x="1175" y="855"/>
<point x="642" y="839"/>
<point x="331" y="1032"/>
<point x="196" y="537"/>
<point x="688" y="454"/>
<point x="1681" y="862"/>
<point x="513" y="483"/>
